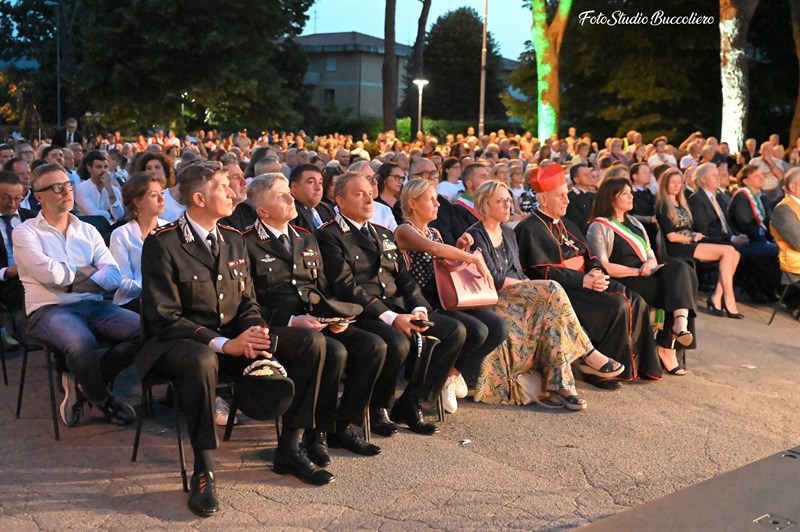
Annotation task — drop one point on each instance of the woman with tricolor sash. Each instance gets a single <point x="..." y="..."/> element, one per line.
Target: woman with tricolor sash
<point x="621" y="244"/>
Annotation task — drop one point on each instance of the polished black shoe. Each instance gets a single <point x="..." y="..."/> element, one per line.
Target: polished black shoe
<point x="604" y="384"/>
<point x="316" y="447"/>
<point x="203" y="495"/>
<point x="118" y="412"/>
<point x="380" y="424"/>
<point x="411" y="415"/>
<point x="297" y="463"/>
<point x="350" y="439"/>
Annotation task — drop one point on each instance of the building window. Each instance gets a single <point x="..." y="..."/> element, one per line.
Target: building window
<point x="330" y="96"/>
<point x="330" y="64"/>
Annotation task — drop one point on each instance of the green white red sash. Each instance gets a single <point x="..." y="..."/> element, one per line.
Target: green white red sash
<point x="466" y="201"/>
<point x="635" y="241"/>
<point x="756" y="207"/>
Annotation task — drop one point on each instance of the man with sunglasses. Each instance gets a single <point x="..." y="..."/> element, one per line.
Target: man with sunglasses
<point x="65" y="268"/>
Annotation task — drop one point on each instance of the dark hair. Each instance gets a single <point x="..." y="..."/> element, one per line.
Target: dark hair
<point x="745" y="172"/>
<point x="135" y="188"/>
<point x="169" y="171"/>
<point x="88" y="160"/>
<point x="297" y="173"/>
<point x="635" y="168"/>
<point x="341" y="184"/>
<point x="9" y="166"/>
<point x="47" y="150"/>
<point x="195" y="175"/>
<point x="447" y="165"/>
<point x="6" y="147"/>
<point x="659" y="139"/>
<point x="256" y="155"/>
<point x="327" y="178"/>
<point x="9" y="178"/>
<point x="574" y="170"/>
<point x="467" y="172"/>
<point x="604" y="202"/>
<point x="383" y="174"/>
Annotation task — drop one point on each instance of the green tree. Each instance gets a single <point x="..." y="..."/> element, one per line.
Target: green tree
<point x="453" y="67"/>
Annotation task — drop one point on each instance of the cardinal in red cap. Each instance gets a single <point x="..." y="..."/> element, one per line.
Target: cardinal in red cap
<point x="547" y="179"/>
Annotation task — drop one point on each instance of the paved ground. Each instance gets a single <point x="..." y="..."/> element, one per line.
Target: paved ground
<point x="524" y="468"/>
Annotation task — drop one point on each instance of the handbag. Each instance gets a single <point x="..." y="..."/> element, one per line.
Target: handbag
<point x="528" y="388"/>
<point x="460" y="286"/>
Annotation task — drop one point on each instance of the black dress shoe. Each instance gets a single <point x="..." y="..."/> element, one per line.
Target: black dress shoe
<point x="317" y="447"/>
<point x="350" y="439"/>
<point x="297" y="463"/>
<point x="411" y="415"/>
<point x="203" y="496"/>
<point x="380" y="424"/>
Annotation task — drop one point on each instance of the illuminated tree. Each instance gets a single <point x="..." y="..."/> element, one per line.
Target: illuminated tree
<point x="547" y="39"/>
<point x="734" y="22"/>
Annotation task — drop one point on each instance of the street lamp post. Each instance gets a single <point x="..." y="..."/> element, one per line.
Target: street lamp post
<point x="57" y="5"/>
<point x="420" y="83"/>
<point x="483" y="69"/>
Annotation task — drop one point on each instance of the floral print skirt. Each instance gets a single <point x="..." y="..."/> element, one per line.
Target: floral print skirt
<point x="545" y="336"/>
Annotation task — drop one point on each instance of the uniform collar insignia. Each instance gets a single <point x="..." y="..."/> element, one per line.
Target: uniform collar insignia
<point x="186" y="229"/>
<point x="262" y="232"/>
<point x="343" y="225"/>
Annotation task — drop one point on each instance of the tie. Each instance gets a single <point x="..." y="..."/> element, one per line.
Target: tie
<point x="7" y="219"/>
<point x="721" y="216"/>
<point x="315" y="218"/>
<point x="286" y="244"/>
<point x="212" y="241"/>
<point x="365" y="230"/>
<point x="69" y="137"/>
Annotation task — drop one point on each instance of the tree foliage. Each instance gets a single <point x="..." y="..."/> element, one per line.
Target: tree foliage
<point x="453" y="67"/>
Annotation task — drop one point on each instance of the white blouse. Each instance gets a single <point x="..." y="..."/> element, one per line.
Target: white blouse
<point x="172" y="209"/>
<point x="126" y="247"/>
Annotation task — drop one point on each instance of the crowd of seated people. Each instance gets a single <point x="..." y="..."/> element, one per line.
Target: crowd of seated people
<point x="224" y="245"/>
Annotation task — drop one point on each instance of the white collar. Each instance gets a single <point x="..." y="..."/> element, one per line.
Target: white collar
<point x="357" y="225"/>
<point x="276" y="233"/>
<point x="201" y="231"/>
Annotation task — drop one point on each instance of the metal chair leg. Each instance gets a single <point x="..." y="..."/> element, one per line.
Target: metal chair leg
<point x="440" y="408"/>
<point x="231" y="418"/>
<point x="177" y="406"/>
<point x="22" y="379"/>
<point x="367" y="430"/>
<point x="778" y="304"/>
<point x="53" y="408"/>
<point x="140" y="420"/>
<point x="3" y="361"/>
<point x="278" y="427"/>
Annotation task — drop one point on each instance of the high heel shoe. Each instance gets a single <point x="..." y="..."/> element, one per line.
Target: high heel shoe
<point x="714" y="311"/>
<point x="732" y="315"/>
<point x="674" y="371"/>
<point x="684" y="337"/>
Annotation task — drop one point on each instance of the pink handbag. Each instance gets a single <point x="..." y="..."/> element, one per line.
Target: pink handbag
<point x="460" y="286"/>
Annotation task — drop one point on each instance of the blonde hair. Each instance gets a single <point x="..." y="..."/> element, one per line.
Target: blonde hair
<point x="485" y="192"/>
<point x="662" y="196"/>
<point x="413" y="190"/>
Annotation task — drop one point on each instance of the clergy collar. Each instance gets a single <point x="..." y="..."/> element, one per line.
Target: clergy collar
<point x="547" y="216"/>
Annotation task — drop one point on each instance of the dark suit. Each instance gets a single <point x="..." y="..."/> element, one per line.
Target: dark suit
<point x="465" y="217"/>
<point x="188" y="300"/>
<point x="644" y="208"/>
<point x="35" y="206"/>
<point x="706" y="220"/>
<point x="281" y="285"/>
<point x="11" y="289"/>
<point x="579" y="209"/>
<point x="305" y="219"/>
<point x="244" y="215"/>
<point x="369" y="270"/>
<point x="60" y="137"/>
<point x="743" y="220"/>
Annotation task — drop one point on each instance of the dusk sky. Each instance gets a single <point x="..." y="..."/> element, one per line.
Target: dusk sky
<point x="509" y="23"/>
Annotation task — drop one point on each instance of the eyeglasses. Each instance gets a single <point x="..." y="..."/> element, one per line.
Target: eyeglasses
<point x="504" y="202"/>
<point x="399" y="177"/>
<point x="26" y="152"/>
<point x="58" y="188"/>
<point x="427" y="173"/>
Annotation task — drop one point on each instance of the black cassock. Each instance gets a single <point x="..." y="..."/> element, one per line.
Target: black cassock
<point x="617" y="320"/>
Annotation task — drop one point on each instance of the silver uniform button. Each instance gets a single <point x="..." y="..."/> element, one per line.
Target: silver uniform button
<point x="294" y="266"/>
<point x="222" y="315"/>
<point x="380" y="270"/>
<point x="356" y="257"/>
<point x="269" y="269"/>
<point x="294" y="281"/>
<point x="383" y="285"/>
<point x="222" y="296"/>
<point x="219" y="277"/>
<point x="194" y="277"/>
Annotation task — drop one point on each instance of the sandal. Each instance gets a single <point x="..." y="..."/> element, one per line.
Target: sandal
<point x="573" y="401"/>
<point x="685" y="338"/>
<point x="674" y="371"/>
<point x="606" y="372"/>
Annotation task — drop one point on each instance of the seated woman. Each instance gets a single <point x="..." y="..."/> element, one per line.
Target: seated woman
<point x="675" y="221"/>
<point x="485" y="329"/>
<point x="544" y="332"/>
<point x="390" y="179"/>
<point x="143" y="199"/>
<point x="621" y="245"/>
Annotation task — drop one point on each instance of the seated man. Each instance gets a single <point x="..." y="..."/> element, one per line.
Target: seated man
<point x="785" y="226"/>
<point x="199" y="314"/>
<point x="306" y="184"/>
<point x="97" y="195"/>
<point x="581" y="197"/>
<point x="644" y="201"/>
<point x="22" y="168"/>
<point x="244" y="214"/>
<point x="363" y="265"/>
<point x="65" y="268"/>
<point x="473" y="176"/>
<point x="286" y="266"/>
<point x="616" y="319"/>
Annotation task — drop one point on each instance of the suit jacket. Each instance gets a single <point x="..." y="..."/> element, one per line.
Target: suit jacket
<point x="367" y="271"/>
<point x="34" y="204"/>
<point x="187" y="296"/>
<point x="497" y="267"/>
<point x="705" y="217"/>
<point x="742" y="219"/>
<point x="244" y="215"/>
<point x="24" y="214"/>
<point x="449" y="225"/>
<point x="579" y="209"/>
<point x="282" y="280"/>
<point x="60" y="137"/>
<point x="464" y="216"/>
<point x="305" y="220"/>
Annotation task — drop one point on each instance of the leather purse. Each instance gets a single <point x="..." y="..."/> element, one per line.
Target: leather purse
<point x="460" y="286"/>
<point x="528" y="388"/>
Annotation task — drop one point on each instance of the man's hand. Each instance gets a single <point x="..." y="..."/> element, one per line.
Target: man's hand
<point x="647" y="268"/>
<point x="252" y="343"/>
<point x="740" y="240"/>
<point x="83" y="273"/>
<point x="403" y="323"/>
<point x="595" y="280"/>
<point x="11" y="271"/>
<point x="309" y="322"/>
<point x="336" y="328"/>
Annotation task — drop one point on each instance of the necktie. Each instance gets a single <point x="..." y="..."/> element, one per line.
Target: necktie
<point x="721" y="216"/>
<point x="315" y="218"/>
<point x="285" y="241"/>
<point x="7" y="219"/>
<point x="212" y="240"/>
<point x="69" y="137"/>
<point x="365" y="230"/>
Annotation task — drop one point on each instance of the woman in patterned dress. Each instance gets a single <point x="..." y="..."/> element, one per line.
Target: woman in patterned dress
<point x="545" y="334"/>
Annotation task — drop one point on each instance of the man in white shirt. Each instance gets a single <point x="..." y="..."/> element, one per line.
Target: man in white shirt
<point x="661" y="156"/>
<point x="65" y="268"/>
<point x="96" y="195"/>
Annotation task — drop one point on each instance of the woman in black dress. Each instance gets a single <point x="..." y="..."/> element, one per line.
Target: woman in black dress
<point x="621" y="244"/>
<point x="675" y="221"/>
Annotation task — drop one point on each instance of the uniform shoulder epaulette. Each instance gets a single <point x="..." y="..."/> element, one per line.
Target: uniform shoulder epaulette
<point x="229" y="228"/>
<point x="326" y="224"/>
<point x="380" y="226"/>
<point x="248" y="229"/>
<point x="301" y="229"/>
<point x="163" y="229"/>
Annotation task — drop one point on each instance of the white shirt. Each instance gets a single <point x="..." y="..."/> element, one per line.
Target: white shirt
<point x="48" y="261"/>
<point x="450" y="190"/>
<point x="92" y="202"/>
<point x="126" y="248"/>
<point x="382" y="215"/>
<point x="172" y="209"/>
<point x="15" y="221"/>
<point x="664" y="158"/>
<point x="26" y="203"/>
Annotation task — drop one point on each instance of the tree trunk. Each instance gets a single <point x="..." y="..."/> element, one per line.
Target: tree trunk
<point x="547" y="39"/>
<point x="418" y="57"/>
<point x="389" y="69"/>
<point x="734" y="23"/>
<point x="794" y="131"/>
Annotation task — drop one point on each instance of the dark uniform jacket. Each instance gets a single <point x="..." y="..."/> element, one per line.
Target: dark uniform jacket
<point x="579" y="209"/>
<point x="186" y="296"/>
<point x="705" y="219"/>
<point x="281" y="280"/>
<point x="366" y="270"/>
<point x="244" y="215"/>
<point x="305" y="220"/>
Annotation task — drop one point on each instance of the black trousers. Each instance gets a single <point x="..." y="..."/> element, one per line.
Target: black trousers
<point x="358" y="354"/>
<point x="11" y="293"/>
<point x="485" y="331"/>
<point x="452" y="335"/>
